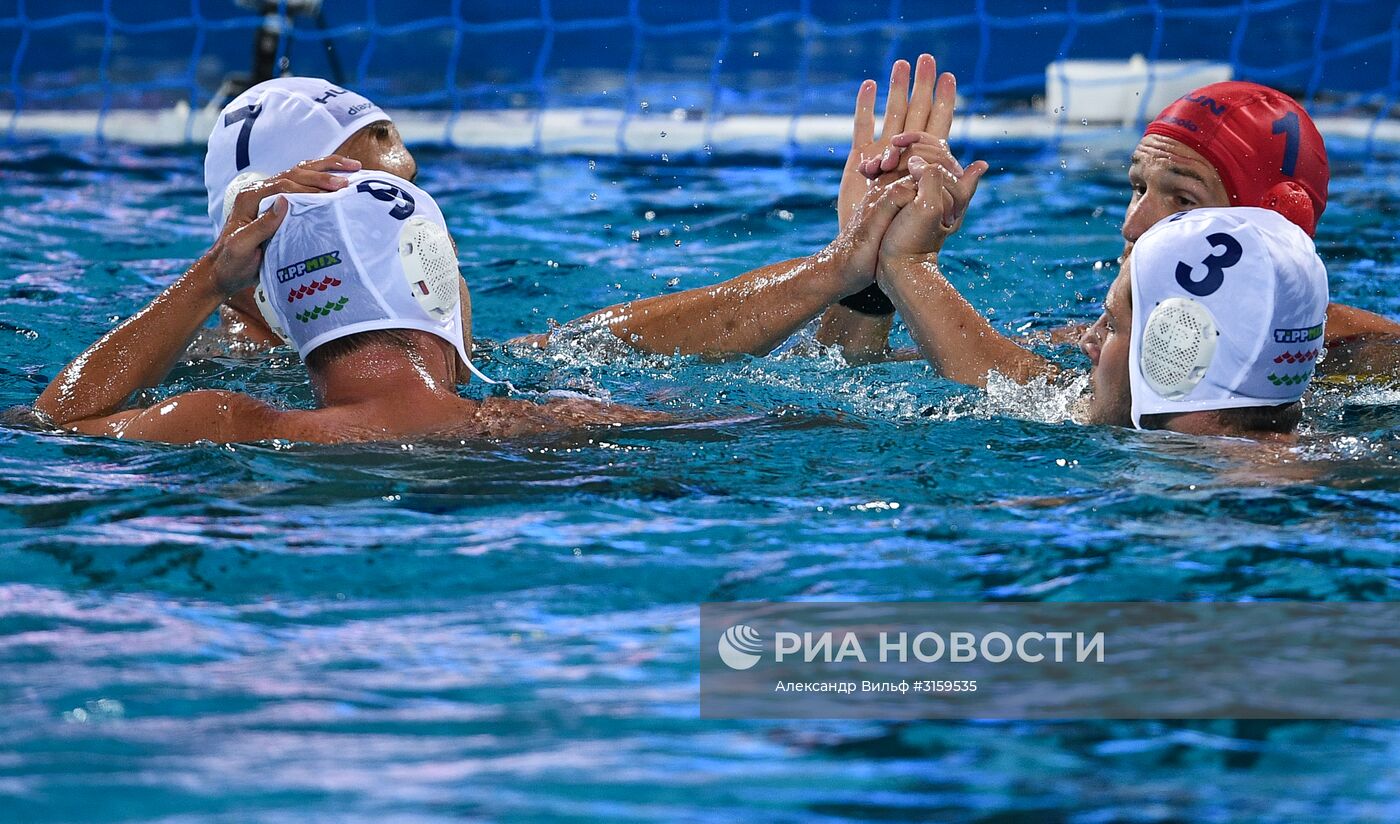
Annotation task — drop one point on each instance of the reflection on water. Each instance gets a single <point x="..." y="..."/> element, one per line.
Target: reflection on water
<point x="455" y="631"/>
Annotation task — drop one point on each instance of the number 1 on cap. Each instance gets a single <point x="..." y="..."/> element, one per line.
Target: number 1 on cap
<point x="1288" y="127"/>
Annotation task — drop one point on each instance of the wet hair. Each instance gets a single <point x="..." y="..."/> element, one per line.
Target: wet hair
<point x="379" y="129"/>
<point x="328" y="353"/>
<point x="1281" y="419"/>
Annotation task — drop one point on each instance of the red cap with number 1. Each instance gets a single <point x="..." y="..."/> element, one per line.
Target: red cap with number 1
<point x="1265" y="147"/>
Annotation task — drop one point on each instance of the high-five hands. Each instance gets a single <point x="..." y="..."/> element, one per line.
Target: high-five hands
<point x="916" y="122"/>
<point x="934" y="212"/>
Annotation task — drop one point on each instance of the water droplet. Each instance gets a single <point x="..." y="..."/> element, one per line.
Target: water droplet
<point x="674" y="282"/>
<point x="592" y="164"/>
<point x="636" y="235"/>
<point x="650" y="215"/>
<point x="663" y="134"/>
<point x="678" y="241"/>
<point x="592" y="195"/>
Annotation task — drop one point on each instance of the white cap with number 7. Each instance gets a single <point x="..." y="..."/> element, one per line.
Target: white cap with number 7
<point x="274" y="126"/>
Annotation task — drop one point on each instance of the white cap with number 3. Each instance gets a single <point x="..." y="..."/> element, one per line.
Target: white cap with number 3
<point x="1229" y="307"/>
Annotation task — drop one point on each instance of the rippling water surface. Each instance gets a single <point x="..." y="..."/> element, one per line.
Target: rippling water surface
<point x="386" y="633"/>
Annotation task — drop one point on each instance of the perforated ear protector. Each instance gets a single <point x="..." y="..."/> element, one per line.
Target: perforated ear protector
<point x="234" y="189"/>
<point x="1291" y="200"/>
<point x="1178" y="344"/>
<point x="430" y="266"/>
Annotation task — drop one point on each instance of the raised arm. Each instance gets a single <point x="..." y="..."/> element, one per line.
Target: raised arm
<point x="756" y="311"/>
<point x="861" y="323"/>
<point x="955" y="338"/>
<point x="89" y="393"/>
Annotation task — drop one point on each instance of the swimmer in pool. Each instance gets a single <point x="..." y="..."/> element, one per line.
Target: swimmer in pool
<point x="1226" y="144"/>
<point x="1213" y="326"/>
<point x="363" y="282"/>
<point x="271" y="139"/>
<point x="286" y="136"/>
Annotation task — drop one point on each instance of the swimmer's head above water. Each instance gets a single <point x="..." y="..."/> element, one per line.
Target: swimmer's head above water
<point x="373" y="256"/>
<point x="362" y="279"/>
<point x="279" y="123"/>
<point x="1229" y="144"/>
<point x="1214" y="326"/>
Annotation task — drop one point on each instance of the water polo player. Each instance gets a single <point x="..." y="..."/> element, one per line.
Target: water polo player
<point x="363" y="282"/>
<point x="271" y="140"/>
<point x="1225" y="144"/>
<point x="1213" y="327"/>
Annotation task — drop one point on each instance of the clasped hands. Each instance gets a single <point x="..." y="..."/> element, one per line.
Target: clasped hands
<point x="903" y="194"/>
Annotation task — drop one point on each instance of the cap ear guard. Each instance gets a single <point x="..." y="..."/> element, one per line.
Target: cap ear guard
<point x="1178" y="345"/>
<point x="269" y="314"/>
<point x="1291" y="200"/>
<point x="429" y="262"/>
<point x="430" y="266"/>
<point x="234" y="189"/>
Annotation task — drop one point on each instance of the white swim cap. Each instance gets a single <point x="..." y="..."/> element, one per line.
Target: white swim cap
<point x="1228" y="312"/>
<point x="274" y="126"/>
<point x="374" y="255"/>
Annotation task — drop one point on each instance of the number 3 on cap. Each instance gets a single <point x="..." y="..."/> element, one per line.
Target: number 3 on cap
<point x="1215" y="265"/>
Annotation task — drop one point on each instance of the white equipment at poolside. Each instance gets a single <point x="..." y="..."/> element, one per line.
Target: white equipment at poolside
<point x="1122" y="91"/>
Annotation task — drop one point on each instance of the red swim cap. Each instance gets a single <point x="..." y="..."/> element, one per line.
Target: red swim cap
<point x="1265" y="147"/>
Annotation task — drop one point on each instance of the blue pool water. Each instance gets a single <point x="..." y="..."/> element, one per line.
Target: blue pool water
<point x="425" y="633"/>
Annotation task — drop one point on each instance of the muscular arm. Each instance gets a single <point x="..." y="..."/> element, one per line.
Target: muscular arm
<point x="750" y="314"/>
<point x="208" y="415"/>
<point x="137" y="354"/>
<point x="753" y="313"/>
<point x="954" y="336"/>
<point x="1347" y="322"/>
<point x="88" y="394"/>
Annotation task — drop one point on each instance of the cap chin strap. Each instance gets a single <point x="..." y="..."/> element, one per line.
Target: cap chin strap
<point x="430" y="267"/>
<point x="471" y="367"/>
<point x="1292" y="201"/>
